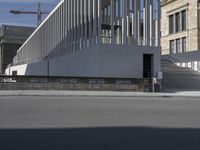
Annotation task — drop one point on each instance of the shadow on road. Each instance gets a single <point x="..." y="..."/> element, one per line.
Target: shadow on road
<point x="122" y="138"/>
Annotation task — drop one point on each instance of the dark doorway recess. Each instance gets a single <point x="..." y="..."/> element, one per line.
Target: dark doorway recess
<point x="147" y="65"/>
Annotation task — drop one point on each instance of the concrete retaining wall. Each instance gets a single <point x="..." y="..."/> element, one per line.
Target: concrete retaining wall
<point x="63" y="83"/>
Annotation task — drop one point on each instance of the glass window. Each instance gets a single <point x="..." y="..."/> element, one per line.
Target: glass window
<point x="184" y="46"/>
<point x="171" y="47"/>
<point x="177" y="16"/>
<point x="171" y="24"/>
<point x="178" y="46"/>
<point x="183" y="15"/>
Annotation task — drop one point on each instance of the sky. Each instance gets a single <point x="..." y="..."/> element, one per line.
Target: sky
<point x="23" y="5"/>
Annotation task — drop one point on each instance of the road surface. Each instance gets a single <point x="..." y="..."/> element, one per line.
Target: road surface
<point x="99" y="123"/>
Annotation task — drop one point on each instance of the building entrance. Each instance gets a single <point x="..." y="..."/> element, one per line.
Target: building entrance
<point x="147" y="65"/>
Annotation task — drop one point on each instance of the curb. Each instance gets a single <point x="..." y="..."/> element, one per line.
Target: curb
<point x="99" y="95"/>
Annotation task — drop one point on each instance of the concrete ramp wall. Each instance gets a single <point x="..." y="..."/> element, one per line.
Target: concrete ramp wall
<point x="118" y="61"/>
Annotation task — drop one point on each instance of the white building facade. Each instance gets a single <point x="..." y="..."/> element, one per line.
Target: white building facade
<point x="94" y="38"/>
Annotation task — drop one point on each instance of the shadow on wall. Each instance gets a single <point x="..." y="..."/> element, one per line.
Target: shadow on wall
<point x="38" y="69"/>
<point x="118" y="138"/>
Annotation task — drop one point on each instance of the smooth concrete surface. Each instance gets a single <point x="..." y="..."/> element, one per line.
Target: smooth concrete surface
<point x="105" y="60"/>
<point x="80" y="123"/>
<point x="167" y="93"/>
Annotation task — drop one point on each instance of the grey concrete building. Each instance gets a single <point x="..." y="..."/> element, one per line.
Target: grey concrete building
<point x="94" y="38"/>
<point x="11" y="39"/>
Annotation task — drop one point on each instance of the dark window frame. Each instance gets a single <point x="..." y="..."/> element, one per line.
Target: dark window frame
<point x="171" y="24"/>
<point x="178" y="45"/>
<point x="183" y="20"/>
<point x="184" y="44"/>
<point x="177" y="22"/>
<point x="172" y="46"/>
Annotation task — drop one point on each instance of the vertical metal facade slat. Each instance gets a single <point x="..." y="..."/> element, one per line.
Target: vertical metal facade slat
<point x="94" y="21"/>
<point x="77" y="24"/>
<point x="158" y="22"/>
<point x="89" y="21"/>
<point x="99" y="21"/>
<point x="81" y="22"/>
<point x="124" y="22"/>
<point x="68" y="26"/>
<point x="74" y="18"/>
<point x="85" y="22"/>
<point x="144" y="23"/>
<point x="139" y="22"/>
<point x="112" y="21"/>
<point x="151" y="22"/>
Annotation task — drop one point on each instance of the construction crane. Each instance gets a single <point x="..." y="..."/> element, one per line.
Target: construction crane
<point x="39" y="13"/>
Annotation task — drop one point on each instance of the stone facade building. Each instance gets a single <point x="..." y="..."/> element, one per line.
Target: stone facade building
<point x="11" y="39"/>
<point x="180" y="32"/>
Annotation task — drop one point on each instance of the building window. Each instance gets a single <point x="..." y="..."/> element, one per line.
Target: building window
<point x="178" y="46"/>
<point x="178" y="23"/>
<point x="171" y="47"/>
<point x="183" y="18"/>
<point x="171" y="24"/>
<point x="184" y="44"/>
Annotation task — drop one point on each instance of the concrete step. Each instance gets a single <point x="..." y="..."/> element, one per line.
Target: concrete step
<point x="175" y="77"/>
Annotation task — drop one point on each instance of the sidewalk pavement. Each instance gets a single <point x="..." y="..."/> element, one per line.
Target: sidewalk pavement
<point x="99" y="94"/>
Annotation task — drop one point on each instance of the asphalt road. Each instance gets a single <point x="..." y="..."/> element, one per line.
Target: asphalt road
<point x="89" y="123"/>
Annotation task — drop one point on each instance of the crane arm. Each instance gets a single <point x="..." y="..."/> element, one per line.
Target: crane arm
<point x="39" y="13"/>
<point x="26" y="12"/>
